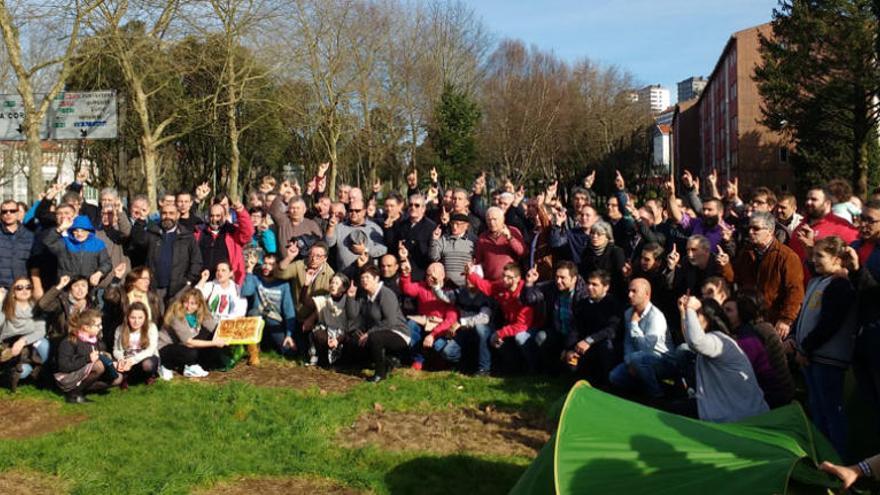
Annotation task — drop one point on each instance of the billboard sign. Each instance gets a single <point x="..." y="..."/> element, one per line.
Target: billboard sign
<point x="72" y="115"/>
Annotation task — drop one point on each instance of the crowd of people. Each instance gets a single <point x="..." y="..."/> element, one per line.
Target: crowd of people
<point x="694" y="299"/>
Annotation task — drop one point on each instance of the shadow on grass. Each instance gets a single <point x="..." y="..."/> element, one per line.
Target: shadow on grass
<point x="452" y="474"/>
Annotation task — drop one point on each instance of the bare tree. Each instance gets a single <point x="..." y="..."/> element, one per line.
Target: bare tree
<point x="136" y="34"/>
<point x="64" y="18"/>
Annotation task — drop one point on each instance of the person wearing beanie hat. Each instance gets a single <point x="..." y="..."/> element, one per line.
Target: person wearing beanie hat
<point x="455" y="249"/>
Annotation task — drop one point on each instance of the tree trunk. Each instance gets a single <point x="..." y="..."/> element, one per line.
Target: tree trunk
<point x="150" y="157"/>
<point x="861" y="131"/>
<point x="235" y="152"/>
<point x="35" y="158"/>
<point x="331" y="150"/>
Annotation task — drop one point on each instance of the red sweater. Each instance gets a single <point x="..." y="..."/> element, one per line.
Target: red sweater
<point x="826" y="226"/>
<point x="518" y="317"/>
<point x="495" y="252"/>
<point x="429" y="304"/>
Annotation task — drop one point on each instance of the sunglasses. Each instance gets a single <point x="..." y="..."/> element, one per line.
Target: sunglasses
<point x="8" y="212"/>
<point x="23" y="287"/>
<point x="355" y="211"/>
<point x="868" y="220"/>
<point x="415" y="205"/>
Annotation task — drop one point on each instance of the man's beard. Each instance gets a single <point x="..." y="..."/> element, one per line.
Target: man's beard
<point x="168" y="224"/>
<point x="814" y="213"/>
<point x="710" y="222"/>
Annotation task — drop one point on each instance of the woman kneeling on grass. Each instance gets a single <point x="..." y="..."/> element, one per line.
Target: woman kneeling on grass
<point x="82" y="364"/>
<point x="187" y="341"/>
<point x="727" y="389"/>
<point x="23" y="344"/>
<point x="136" y="346"/>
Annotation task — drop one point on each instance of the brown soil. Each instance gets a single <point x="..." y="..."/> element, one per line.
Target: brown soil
<point x="31" y="483"/>
<point x="278" y="486"/>
<point x="286" y="375"/>
<point x="23" y="418"/>
<point x="479" y="431"/>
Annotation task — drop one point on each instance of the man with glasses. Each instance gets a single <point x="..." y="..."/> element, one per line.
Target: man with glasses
<point x="414" y="234"/>
<point x="773" y="270"/>
<point x="762" y="200"/>
<point x="864" y="271"/>
<point x="16" y="244"/>
<point x="354" y="236"/>
<point x="308" y="278"/>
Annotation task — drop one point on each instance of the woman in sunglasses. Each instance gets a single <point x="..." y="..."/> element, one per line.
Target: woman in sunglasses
<point x="23" y="344"/>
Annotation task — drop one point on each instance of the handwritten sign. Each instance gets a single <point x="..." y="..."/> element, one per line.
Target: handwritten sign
<point x="247" y="330"/>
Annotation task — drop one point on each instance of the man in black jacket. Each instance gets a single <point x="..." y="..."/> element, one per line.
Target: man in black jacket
<point x="595" y="349"/>
<point x="171" y="252"/>
<point x="561" y="300"/>
<point x="415" y="234"/>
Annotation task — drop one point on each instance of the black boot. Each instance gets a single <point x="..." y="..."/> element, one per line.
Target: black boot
<point x="14" y="377"/>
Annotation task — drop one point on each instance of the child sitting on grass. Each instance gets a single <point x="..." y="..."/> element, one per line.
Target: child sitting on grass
<point x="136" y="346"/>
<point x="83" y="366"/>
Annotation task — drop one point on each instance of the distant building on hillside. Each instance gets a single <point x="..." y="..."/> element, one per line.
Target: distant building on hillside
<point x="691" y="88"/>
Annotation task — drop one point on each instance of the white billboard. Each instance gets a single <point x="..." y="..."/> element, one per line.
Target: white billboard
<point x="72" y="115"/>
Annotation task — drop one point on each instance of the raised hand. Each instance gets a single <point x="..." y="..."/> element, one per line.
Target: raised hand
<point x="712" y="177"/>
<point x="532" y="276"/>
<point x="203" y="190"/>
<point x="627" y="269"/>
<point x="296" y="188"/>
<point x="352" y="290"/>
<point x="377" y="186"/>
<point x="292" y="250"/>
<point x="619" y="183"/>
<point x="561" y="217"/>
<point x="726" y="232"/>
<point x="402" y="251"/>
<point x="64" y="225"/>
<point x="589" y="180"/>
<point x="323" y="168"/>
<point x="82" y="176"/>
<point x="438" y="232"/>
<point x="687" y="180"/>
<point x="251" y="261"/>
<point x="673" y="258"/>
<point x="204" y="277"/>
<point x="733" y="188"/>
<point x="62" y="282"/>
<point x="721" y="257"/>
<point x="433" y="175"/>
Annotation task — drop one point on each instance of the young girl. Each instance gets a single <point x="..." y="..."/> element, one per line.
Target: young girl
<point x="82" y="366"/>
<point x="187" y="338"/>
<point x="122" y="294"/>
<point x="23" y="344"/>
<point x="136" y="346"/>
<point x="726" y="386"/>
<point x="824" y="334"/>
<point x="222" y="294"/>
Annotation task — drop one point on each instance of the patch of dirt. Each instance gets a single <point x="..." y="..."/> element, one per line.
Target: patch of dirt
<point x="31" y="483"/>
<point x="278" y="486"/>
<point x="479" y="431"/>
<point x="286" y="375"/>
<point x="23" y="418"/>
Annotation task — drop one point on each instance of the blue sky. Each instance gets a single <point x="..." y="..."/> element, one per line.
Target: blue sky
<point x="658" y="41"/>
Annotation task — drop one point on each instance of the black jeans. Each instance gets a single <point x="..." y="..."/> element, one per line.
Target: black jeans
<point x="380" y="343"/>
<point x="176" y="356"/>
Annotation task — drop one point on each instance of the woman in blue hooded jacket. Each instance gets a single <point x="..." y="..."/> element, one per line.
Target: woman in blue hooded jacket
<point x="79" y="252"/>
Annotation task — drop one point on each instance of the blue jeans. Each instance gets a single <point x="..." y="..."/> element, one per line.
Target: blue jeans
<point x="825" y="390"/>
<point x="275" y="334"/>
<point x="42" y="348"/>
<point x="451" y="348"/>
<point x="415" y="341"/>
<point x="644" y="372"/>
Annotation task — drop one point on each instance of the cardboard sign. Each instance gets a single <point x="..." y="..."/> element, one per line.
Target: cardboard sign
<point x="246" y="330"/>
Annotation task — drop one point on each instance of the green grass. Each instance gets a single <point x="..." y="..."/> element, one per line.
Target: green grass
<point x="176" y="436"/>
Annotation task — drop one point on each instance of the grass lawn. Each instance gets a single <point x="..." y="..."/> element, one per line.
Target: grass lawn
<point x="182" y="436"/>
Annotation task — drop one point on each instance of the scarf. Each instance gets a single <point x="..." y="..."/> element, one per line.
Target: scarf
<point x="598" y="251"/>
<point x="192" y="320"/>
<point x="87" y="338"/>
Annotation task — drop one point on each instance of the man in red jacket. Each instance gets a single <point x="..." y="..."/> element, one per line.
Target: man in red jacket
<point x="222" y="240"/>
<point x="441" y="317"/>
<point x="818" y="223"/>
<point x="519" y="318"/>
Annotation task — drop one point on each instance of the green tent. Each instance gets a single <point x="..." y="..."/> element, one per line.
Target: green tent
<point x="608" y="445"/>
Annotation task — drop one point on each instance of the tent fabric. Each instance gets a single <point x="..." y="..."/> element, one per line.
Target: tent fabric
<point x="605" y="444"/>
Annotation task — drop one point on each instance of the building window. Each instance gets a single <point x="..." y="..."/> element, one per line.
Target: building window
<point x="733" y="91"/>
<point x="783" y="155"/>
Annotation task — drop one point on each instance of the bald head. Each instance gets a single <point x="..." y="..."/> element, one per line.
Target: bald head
<point x="639" y="293"/>
<point x="435" y="274"/>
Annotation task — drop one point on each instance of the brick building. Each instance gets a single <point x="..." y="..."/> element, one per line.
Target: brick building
<point x="730" y="136"/>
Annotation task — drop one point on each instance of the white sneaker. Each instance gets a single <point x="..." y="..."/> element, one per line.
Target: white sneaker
<point x="194" y="371"/>
<point x="165" y="374"/>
